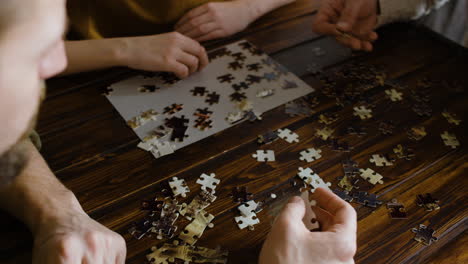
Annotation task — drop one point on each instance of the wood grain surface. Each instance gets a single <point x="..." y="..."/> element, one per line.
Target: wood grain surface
<point x="94" y="153"/>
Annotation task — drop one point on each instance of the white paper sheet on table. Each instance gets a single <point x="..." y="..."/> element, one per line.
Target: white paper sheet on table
<point x="130" y="102"/>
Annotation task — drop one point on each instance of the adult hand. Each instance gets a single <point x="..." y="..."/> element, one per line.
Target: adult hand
<point x="215" y="20"/>
<point x="352" y="22"/>
<point x="291" y="242"/>
<point x="170" y="52"/>
<point x="75" y="238"/>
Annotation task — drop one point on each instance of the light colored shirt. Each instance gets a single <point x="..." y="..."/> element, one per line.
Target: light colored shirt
<point x="450" y="21"/>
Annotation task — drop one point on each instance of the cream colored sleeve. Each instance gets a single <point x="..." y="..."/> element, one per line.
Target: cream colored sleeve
<point x="404" y="10"/>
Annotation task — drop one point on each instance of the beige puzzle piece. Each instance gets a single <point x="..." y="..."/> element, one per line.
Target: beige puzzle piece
<point x="195" y="229"/>
<point x="371" y="176"/>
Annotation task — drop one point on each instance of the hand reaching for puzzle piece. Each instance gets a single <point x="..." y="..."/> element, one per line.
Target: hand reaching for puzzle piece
<point x="170" y="52"/>
<point x="291" y="242"/>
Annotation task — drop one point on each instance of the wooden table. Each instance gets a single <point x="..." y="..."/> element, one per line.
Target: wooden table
<point x="94" y="153"/>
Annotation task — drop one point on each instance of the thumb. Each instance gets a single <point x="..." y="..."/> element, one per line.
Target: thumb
<point x="294" y="210"/>
<point x="349" y="16"/>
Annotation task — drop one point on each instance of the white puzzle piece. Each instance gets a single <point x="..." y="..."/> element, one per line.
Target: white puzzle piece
<point x="264" y="155"/>
<point x="310" y="219"/>
<point x="310" y="154"/>
<point x="288" y="135"/>
<point x="208" y="182"/>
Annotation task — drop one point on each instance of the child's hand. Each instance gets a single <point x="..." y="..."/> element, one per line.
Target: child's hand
<point x="215" y="20"/>
<point x="170" y="52"/>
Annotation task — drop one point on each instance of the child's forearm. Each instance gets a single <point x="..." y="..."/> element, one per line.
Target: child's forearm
<point x="37" y="196"/>
<point x="89" y="55"/>
<point x="259" y="8"/>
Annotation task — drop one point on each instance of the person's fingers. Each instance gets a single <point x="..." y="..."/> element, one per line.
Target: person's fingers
<point x="373" y="36"/>
<point x="179" y="69"/>
<point x="323" y="217"/>
<point x="321" y="25"/>
<point x="218" y="33"/>
<point x="364" y="28"/>
<point x="344" y="214"/>
<point x="293" y="211"/>
<point x="367" y="46"/>
<point x="349" y="16"/>
<point x="194" y="48"/>
<point x="349" y="41"/>
<point x="188" y="60"/>
<point x="201" y="30"/>
<point x="192" y="14"/>
<point x="203" y="60"/>
<point x="121" y="250"/>
<point x="194" y="23"/>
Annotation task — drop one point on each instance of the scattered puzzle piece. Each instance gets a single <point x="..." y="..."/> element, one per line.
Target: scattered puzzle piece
<point x="324" y="133"/>
<point x="200" y="202"/>
<point x="380" y="160"/>
<point x="212" y="98"/>
<point x="348" y="183"/>
<point x="339" y="146"/>
<point x="451" y="118"/>
<point x="208" y="182"/>
<point x="248" y="209"/>
<point x="143" y="119"/>
<point x="386" y="127"/>
<point x="235" y="65"/>
<point x="397" y="210"/>
<point x="367" y="199"/>
<point x="233" y="118"/>
<point x="264" y="155"/>
<point x="288" y="135"/>
<point x="310" y="154"/>
<point x="362" y="112"/>
<point x="450" y="140"/>
<point x="371" y="176"/>
<point x="403" y="153"/>
<point x="225" y="78"/>
<point x="243" y="221"/>
<point x="199" y="91"/>
<point x="268" y="137"/>
<point x="193" y="231"/>
<point x="394" y="95"/>
<point x="426" y="201"/>
<point x="179" y="187"/>
<point x="174" y="108"/>
<point x="240" y="86"/>
<point x="328" y="118"/>
<point x="417" y="133"/>
<point x="424" y="235"/>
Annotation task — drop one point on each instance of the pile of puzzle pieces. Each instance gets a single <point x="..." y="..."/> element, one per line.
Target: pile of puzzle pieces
<point x="351" y="184"/>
